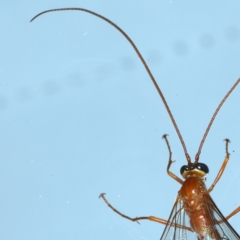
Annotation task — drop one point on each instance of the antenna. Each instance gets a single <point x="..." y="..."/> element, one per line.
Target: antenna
<point x="141" y="58"/>
<point x="153" y="80"/>
<point x="212" y="119"/>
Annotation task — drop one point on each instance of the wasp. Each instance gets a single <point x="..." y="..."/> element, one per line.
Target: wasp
<point x="194" y="213"/>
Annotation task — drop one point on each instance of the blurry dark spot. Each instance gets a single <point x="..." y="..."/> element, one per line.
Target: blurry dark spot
<point x="104" y="71"/>
<point x="3" y="102"/>
<point x="180" y="48"/>
<point x="23" y="94"/>
<point x="232" y="34"/>
<point x="207" y="40"/>
<point x="50" y="88"/>
<point x="127" y="63"/>
<point x="75" y="80"/>
<point x="154" y="56"/>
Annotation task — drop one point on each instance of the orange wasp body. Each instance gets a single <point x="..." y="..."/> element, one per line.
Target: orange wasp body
<point x="194" y="213"/>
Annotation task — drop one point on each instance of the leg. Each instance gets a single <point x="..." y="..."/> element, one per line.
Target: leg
<point x="151" y="218"/>
<point x="237" y="210"/>
<point x="222" y="167"/>
<point x="170" y="161"/>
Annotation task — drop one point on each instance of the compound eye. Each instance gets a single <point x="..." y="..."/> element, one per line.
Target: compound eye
<point x="184" y="168"/>
<point x="202" y="167"/>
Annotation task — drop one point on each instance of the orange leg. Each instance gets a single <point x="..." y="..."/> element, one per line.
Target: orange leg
<point x="225" y="162"/>
<point x="237" y="210"/>
<point x="170" y="161"/>
<point x="151" y="218"/>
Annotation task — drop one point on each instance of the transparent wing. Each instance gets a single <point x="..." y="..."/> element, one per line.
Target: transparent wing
<point x="178" y="227"/>
<point x="221" y="225"/>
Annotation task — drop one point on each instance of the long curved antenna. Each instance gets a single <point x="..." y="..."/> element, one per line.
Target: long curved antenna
<point x="212" y="119"/>
<point x="142" y="60"/>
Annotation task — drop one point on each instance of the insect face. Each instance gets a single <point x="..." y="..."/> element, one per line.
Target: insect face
<point x="199" y="169"/>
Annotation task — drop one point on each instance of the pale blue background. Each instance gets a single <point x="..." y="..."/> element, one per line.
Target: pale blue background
<point x="79" y="115"/>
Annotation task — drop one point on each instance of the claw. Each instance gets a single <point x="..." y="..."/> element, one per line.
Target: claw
<point x="165" y="136"/>
<point x="227" y="142"/>
<point x="102" y="195"/>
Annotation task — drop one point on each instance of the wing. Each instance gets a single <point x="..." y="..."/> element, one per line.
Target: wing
<point x="221" y="225"/>
<point x="178" y="227"/>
